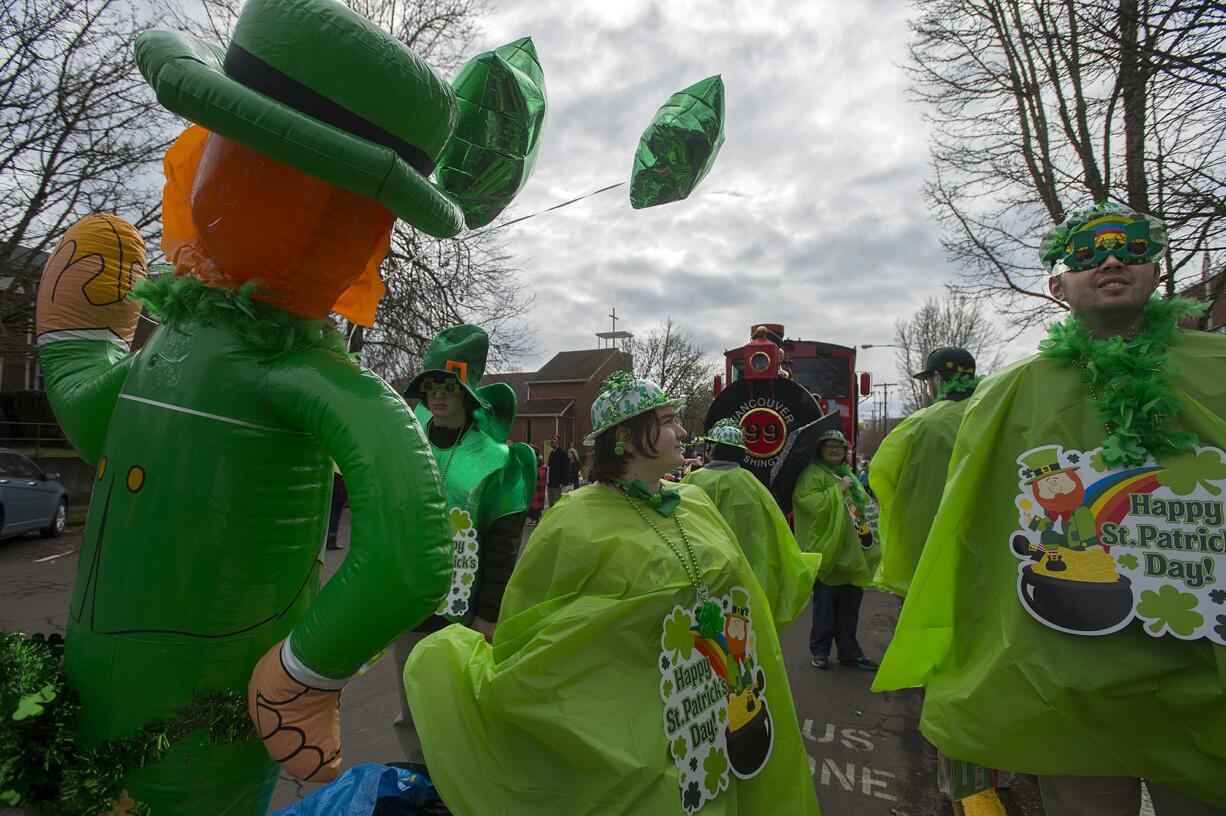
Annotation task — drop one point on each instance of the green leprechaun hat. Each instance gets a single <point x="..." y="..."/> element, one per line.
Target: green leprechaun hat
<point x="726" y="432"/>
<point x="457" y="353"/>
<point x="623" y="396"/>
<point x="740" y="603"/>
<point x="1042" y="462"/>
<point x="320" y="88"/>
<point x="826" y="436"/>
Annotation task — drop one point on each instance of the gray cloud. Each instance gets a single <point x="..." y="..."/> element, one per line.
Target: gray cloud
<point x="812" y="216"/>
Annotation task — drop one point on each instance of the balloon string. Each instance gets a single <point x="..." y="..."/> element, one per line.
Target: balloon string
<point x="555" y="207"/>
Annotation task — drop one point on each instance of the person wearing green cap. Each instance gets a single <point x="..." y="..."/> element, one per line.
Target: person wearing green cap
<point x="486" y="482"/>
<point x="785" y="573"/>
<point x="1062" y="620"/>
<point x="908" y="470"/>
<point x="635" y="668"/>
<point x="830" y="511"/>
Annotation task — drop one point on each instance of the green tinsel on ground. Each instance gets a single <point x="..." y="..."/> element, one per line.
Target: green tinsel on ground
<point x="957" y="384"/>
<point x="1130" y="381"/>
<point x="42" y="766"/>
<point x="178" y="300"/>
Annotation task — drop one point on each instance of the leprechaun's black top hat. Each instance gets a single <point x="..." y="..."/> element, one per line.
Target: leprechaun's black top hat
<point x="316" y="86"/>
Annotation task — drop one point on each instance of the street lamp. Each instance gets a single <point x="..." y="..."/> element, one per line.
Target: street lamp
<point x="879" y="345"/>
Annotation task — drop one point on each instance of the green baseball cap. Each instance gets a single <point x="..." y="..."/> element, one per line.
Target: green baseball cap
<point x="322" y="89"/>
<point x="458" y="352"/>
<point x="949" y="360"/>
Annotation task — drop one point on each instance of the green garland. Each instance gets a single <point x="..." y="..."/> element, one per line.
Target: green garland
<point x="42" y="766"/>
<point x="858" y="497"/>
<point x="958" y="383"/>
<point x="1130" y="381"/>
<point x="175" y="301"/>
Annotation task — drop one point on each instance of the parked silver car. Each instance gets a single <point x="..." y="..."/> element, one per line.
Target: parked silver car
<point x="29" y="498"/>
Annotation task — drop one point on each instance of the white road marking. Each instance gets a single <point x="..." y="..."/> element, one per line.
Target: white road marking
<point x="53" y="557"/>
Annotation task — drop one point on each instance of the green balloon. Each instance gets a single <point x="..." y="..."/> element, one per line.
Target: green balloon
<point x="679" y="147"/>
<point x="502" y="104"/>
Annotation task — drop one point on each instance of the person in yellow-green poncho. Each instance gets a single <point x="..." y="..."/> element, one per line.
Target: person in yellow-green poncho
<point x="635" y="667"/>
<point x="785" y="573"/>
<point x="830" y="510"/>
<point x="908" y="472"/>
<point x="1068" y="614"/>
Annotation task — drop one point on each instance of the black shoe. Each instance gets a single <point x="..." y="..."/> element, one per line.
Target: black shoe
<point x="335" y="547"/>
<point x="861" y="663"/>
<point x="820" y="662"/>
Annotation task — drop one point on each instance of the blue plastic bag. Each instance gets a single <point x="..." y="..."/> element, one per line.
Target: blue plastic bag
<point x="362" y="788"/>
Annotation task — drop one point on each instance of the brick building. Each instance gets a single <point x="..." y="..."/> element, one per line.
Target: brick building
<point x="1210" y="289"/>
<point x="558" y="398"/>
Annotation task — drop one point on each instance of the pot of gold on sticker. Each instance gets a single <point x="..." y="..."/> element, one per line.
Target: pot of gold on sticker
<point x="1086" y="595"/>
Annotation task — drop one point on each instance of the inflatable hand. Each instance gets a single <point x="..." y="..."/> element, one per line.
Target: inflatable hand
<point x="300" y="725"/>
<point x="84" y="290"/>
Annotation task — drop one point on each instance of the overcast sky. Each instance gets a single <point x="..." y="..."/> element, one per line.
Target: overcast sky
<point x="812" y="216"/>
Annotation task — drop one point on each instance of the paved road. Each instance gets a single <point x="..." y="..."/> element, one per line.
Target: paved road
<point x="865" y="752"/>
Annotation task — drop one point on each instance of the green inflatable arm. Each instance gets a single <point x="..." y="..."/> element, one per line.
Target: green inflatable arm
<point x="83" y="379"/>
<point x="400" y="560"/>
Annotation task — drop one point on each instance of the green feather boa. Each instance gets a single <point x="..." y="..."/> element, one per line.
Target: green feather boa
<point x="858" y="497"/>
<point x="176" y="301"/>
<point x="1130" y="381"/>
<point x="958" y="383"/>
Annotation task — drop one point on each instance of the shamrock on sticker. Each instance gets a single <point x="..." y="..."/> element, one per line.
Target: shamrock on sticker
<point x="1183" y="473"/>
<point x="466" y="578"/>
<point x="1221" y="627"/>
<point x="1119" y="451"/>
<point x="1170" y="608"/>
<point x="677" y="638"/>
<point x="692" y="798"/>
<point x="459" y="607"/>
<point x="1218" y="596"/>
<point x="716" y="766"/>
<point x="460" y="520"/>
<point x="1128" y="561"/>
<point x="667" y="688"/>
<point x="680" y="748"/>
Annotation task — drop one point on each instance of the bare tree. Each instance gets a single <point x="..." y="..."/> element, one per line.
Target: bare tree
<point x="952" y="321"/>
<point x="431" y="283"/>
<point x="668" y="356"/>
<point x="1040" y="106"/>
<point x="80" y="133"/>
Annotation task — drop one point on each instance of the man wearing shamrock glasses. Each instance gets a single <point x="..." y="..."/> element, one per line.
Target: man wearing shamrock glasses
<point x="486" y="483"/>
<point x="1105" y="669"/>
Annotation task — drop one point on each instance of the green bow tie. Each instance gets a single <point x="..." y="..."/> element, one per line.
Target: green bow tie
<point x="662" y="501"/>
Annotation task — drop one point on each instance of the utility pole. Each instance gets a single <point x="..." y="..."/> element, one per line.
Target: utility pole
<point x="885" y="406"/>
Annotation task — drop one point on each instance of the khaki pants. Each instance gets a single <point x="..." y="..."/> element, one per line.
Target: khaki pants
<point x="1115" y="796"/>
<point x="406" y="731"/>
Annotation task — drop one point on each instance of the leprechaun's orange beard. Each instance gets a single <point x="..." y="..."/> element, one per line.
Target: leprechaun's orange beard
<point x="304" y="240"/>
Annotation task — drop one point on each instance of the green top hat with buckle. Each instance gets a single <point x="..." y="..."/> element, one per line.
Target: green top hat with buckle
<point x="1042" y="462"/>
<point x="622" y="397"/>
<point x="948" y="360"/>
<point x="726" y="432"/>
<point x="457" y="353"/>
<point x="320" y="88"/>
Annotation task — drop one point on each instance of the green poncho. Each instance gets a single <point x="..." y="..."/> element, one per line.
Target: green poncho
<point x="1001" y="643"/>
<point x="785" y="573"/>
<point x="599" y="694"/>
<point x="908" y="477"/>
<point x="824" y="524"/>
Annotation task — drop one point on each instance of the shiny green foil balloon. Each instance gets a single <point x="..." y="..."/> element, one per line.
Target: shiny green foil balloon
<point x="680" y="145"/>
<point x="501" y="97"/>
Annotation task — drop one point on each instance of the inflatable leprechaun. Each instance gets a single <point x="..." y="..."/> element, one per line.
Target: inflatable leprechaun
<point x="214" y="443"/>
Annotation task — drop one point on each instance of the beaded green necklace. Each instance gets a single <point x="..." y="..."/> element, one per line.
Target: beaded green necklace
<point x="710" y="617"/>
